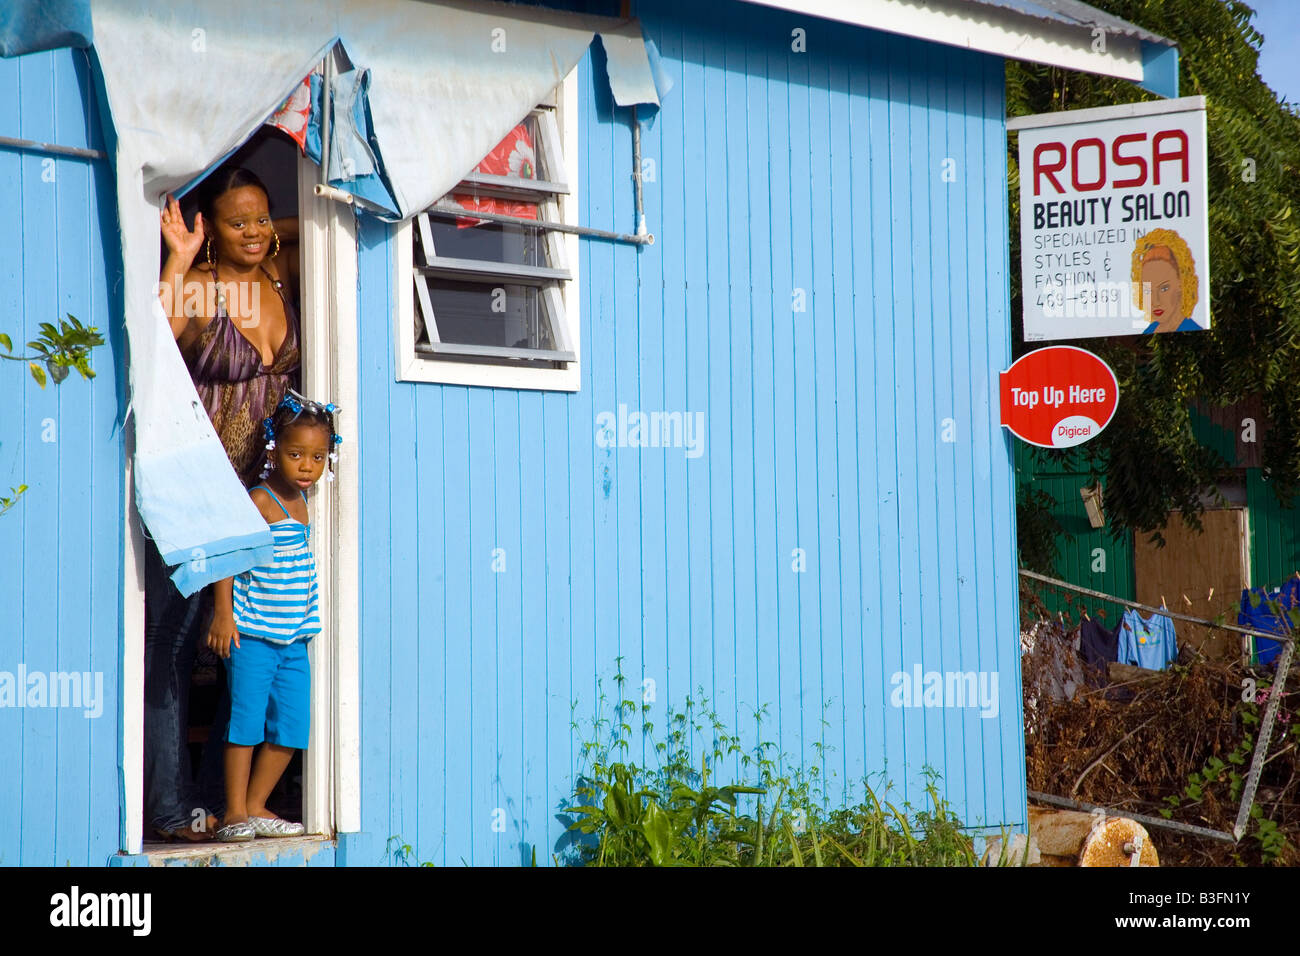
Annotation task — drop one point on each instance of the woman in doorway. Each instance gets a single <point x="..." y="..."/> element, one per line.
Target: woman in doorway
<point x="233" y="319"/>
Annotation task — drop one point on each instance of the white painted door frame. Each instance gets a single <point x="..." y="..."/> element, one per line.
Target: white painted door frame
<point x="328" y="293"/>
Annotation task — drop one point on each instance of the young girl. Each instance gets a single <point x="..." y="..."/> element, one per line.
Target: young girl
<point x="264" y="618"/>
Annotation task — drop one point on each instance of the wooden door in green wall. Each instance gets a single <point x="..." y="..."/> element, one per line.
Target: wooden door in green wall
<point x="1201" y="574"/>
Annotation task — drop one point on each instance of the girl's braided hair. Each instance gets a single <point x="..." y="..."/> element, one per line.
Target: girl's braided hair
<point x="293" y="409"/>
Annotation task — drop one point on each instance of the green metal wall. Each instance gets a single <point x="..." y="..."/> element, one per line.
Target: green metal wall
<point x="1077" y="545"/>
<point x="1274" y="533"/>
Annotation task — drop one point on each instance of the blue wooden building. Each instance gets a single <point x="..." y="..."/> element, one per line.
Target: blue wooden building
<point x="756" y="459"/>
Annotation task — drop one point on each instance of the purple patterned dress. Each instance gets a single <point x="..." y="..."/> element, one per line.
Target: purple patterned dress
<point x="236" y="389"/>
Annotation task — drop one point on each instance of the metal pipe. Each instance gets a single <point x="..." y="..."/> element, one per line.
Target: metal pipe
<point x="35" y="147"/>
<point x="458" y="212"/>
<point x="326" y="90"/>
<point x="636" y="174"/>
<point x="329" y="192"/>
<point x="1139" y="817"/>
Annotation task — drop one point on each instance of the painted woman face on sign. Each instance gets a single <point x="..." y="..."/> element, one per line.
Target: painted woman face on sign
<point x="1166" y="301"/>
<point x="1165" y="282"/>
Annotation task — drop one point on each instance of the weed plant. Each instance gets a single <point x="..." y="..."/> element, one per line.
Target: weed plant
<point x="674" y="813"/>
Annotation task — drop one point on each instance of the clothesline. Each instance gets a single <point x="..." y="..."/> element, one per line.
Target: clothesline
<point x="1279" y="638"/>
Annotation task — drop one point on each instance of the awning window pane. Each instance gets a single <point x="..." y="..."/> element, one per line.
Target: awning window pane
<point x="471" y="313"/>
<point x="490" y="242"/>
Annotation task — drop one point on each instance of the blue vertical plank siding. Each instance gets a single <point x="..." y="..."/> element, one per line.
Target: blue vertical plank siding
<point x="764" y="303"/>
<point x="654" y="347"/>
<point x="824" y="95"/>
<point x="11" y="541"/>
<point x="827" y="293"/>
<point x="430" y="667"/>
<point x="845" y="657"/>
<point x="404" y="602"/>
<point x="741" y="377"/>
<point x="458" y="680"/>
<point x="598" y="639"/>
<point x="529" y="675"/>
<point x="789" y="703"/>
<point x="76" y="652"/>
<point x="717" y="462"/>
<point x="505" y="564"/>
<point x="944" y="181"/>
<point x="482" y="635"/>
<point x="61" y="545"/>
<point x="696" y="666"/>
<point x="40" y="600"/>
<point x="880" y="519"/>
<point x="378" y="511"/>
<point x="804" y="158"/>
<point x="554" y="690"/>
<point x="836" y="309"/>
<point x="666" y="308"/>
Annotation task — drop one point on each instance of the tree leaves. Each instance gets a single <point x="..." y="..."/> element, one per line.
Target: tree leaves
<point x="58" y="350"/>
<point x="1148" y="455"/>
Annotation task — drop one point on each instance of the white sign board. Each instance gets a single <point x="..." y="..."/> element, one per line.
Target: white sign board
<point x="1114" y="226"/>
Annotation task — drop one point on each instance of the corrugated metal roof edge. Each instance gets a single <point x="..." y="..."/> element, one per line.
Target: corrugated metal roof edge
<point x="1085" y="16"/>
<point x="1077" y="13"/>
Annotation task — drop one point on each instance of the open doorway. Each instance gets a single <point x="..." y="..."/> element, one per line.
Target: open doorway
<point x="322" y="788"/>
<point x="196" y="699"/>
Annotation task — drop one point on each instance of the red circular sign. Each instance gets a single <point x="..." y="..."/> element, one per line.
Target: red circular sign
<point x="1058" y="397"/>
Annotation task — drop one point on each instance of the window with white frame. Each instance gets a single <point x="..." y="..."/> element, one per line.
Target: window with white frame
<point x="486" y="283"/>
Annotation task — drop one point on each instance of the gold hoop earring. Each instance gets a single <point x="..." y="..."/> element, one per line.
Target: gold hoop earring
<point x="276" y="251"/>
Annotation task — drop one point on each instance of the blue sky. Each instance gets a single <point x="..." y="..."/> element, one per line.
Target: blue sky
<point x="1279" y="65"/>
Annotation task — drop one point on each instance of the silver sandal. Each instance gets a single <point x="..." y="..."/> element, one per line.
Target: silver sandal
<point x="275" y="827"/>
<point x="236" y="832"/>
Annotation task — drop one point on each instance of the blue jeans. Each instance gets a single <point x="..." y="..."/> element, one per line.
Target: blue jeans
<point x="173" y="628"/>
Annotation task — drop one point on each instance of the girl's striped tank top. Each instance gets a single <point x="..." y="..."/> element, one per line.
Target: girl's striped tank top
<point x="278" y="602"/>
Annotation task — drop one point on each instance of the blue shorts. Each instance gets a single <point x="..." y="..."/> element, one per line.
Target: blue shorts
<point x="270" y="693"/>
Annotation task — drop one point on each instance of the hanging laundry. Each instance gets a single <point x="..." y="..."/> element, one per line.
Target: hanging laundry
<point x="1049" y="668"/>
<point x="1257" y="613"/>
<point x="1098" y="645"/>
<point x="1148" y="643"/>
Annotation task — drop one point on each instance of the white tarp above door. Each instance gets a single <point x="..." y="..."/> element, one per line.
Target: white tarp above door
<point x="188" y="81"/>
